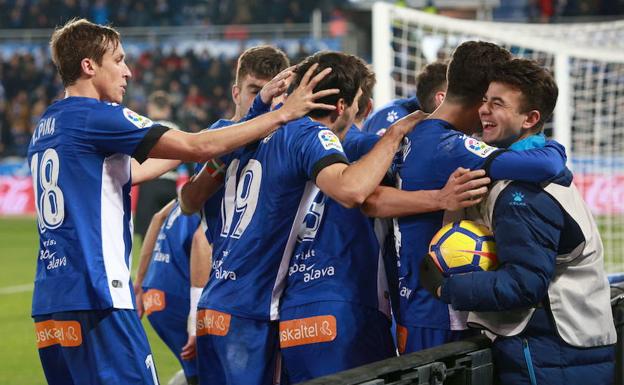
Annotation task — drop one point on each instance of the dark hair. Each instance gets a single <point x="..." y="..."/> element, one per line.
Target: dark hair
<point x="347" y="75"/>
<point x="262" y="62"/>
<point x="76" y="40"/>
<point x="469" y="71"/>
<point x="537" y="85"/>
<point x="368" y="83"/>
<point x="160" y="99"/>
<point x="430" y="80"/>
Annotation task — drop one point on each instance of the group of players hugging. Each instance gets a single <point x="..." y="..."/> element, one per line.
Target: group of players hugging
<point x="296" y="250"/>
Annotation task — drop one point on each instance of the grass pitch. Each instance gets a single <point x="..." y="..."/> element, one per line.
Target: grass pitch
<point x="19" y="360"/>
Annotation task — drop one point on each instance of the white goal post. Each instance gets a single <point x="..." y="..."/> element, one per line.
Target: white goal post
<point x="588" y="63"/>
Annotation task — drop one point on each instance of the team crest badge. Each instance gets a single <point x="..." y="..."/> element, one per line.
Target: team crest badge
<point x="329" y="140"/>
<point x="478" y="147"/>
<point x="136" y="119"/>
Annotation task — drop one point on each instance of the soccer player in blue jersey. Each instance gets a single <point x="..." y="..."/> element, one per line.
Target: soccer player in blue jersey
<point x="431" y="85"/>
<point x="339" y="274"/>
<point x="253" y="93"/>
<point x="432" y="151"/>
<point x="162" y="284"/>
<point x="268" y="188"/>
<point x="79" y="155"/>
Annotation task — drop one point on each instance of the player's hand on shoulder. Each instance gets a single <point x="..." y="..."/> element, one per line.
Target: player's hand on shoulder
<point x="276" y="86"/>
<point x="303" y="99"/>
<point x="406" y="124"/>
<point x="464" y="188"/>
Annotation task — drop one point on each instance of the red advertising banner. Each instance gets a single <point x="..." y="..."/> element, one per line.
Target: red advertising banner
<point x="16" y="195"/>
<point x="603" y="193"/>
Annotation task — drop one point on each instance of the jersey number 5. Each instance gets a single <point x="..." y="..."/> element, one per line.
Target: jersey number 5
<point x="240" y="198"/>
<point x="50" y="205"/>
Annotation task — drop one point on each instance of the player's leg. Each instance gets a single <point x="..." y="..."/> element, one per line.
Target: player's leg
<point x="101" y="347"/>
<point x="321" y="338"/>
<point x="170" y="324"/>
<point x="234" y="350"/>
<point x="50" y="352"/>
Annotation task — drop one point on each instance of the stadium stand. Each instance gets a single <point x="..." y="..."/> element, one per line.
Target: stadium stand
<point x="198" y="83"/>
<point x="126" y="13"/>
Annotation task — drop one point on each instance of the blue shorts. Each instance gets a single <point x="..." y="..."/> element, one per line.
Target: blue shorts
<point x="94" y="347"/>
<point x="413" y="339"/>
<point x="169" y="321"/>
<point x="235" y="350"/>
<point x="326" y="337"/>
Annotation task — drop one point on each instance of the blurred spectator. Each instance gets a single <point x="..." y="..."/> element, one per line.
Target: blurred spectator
<point x="126" y="13"/>
<point x="197" y="85"/>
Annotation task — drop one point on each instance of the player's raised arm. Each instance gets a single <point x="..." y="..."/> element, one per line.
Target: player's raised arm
<point x="210" y="144"/>
<point x="464" y="188"/>
<point x="351" y="185"/>
<point x="151" y="168"/>
<point x="201" y="186"/>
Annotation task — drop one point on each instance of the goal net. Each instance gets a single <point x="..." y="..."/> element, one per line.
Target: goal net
<point x="588" y="64"/>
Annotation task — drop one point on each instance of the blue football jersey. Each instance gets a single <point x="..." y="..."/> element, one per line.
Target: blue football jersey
<point x="430" y="153"/>
<point x="337" y="256"/>
<point x="211" y="212"/>
<point x="79" y="157"/>
<point x="269" y="186"/>
<point x="169" y="267"/>
<point x="381" y="119"/>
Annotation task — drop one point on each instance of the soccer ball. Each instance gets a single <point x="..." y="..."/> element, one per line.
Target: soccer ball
<point x="462" y="247"/>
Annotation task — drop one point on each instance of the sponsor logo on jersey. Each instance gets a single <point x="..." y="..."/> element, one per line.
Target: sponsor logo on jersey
<point x="304" y="331"/>
<point x="153" y="301"/>
<point x="136" y="119"/>
<point x="392" y="116"/>
<point x="401" y="338"/>
<point x="64" y="333"/>
<point x="213" y="322"/>
<point x="329" y="140"/>
<point x="477" y="147"/>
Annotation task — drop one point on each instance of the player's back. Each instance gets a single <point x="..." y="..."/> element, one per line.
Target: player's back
<point x="169" y="266"/>
<point x="81" y="174"/>
<point x="336" y="257"/>
<point x="430" y="153"/>
<point x="268" y="189"/>
<point x="381" y="119"/>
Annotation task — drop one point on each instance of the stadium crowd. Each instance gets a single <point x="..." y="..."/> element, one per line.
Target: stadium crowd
<point x="126" y="13"/>
<point x="197" y="83"/>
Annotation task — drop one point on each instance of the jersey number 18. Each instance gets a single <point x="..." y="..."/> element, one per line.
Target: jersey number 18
<point x="50" y="205"/>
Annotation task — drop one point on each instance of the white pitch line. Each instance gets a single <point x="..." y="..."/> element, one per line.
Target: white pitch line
<point x="16" y="289"/>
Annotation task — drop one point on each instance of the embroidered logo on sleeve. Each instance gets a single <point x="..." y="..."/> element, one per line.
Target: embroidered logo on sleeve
<point x="477" y="147"/>
<point x="329" y="140"/>
<point x="392" y="116"/>
<point x="136" y="119"/>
